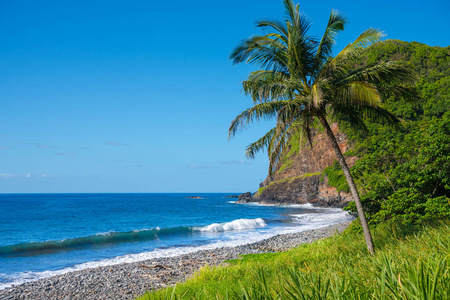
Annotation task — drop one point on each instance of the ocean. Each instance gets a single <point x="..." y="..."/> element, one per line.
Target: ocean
<point x="42" y="235"/>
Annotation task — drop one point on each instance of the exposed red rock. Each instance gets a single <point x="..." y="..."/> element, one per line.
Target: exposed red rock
<point x="299" y="178"/>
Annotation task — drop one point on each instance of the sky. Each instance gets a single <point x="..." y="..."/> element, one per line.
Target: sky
<point x="137" y="96"/>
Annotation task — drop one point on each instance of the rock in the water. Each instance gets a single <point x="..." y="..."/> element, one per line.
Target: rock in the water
<point x="245" y="197"/>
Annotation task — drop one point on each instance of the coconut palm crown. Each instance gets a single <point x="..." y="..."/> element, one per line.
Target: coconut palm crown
<point x="300" y="84"/>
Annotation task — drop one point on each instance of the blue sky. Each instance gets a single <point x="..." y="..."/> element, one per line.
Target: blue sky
<point x="137" y="96"/>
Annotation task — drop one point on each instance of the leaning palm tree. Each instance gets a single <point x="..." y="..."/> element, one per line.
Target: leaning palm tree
<point x="301" y="84"/>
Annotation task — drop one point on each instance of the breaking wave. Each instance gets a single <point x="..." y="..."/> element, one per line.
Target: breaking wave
<point x="112" y="237"/>
<point x="240" y="224"/>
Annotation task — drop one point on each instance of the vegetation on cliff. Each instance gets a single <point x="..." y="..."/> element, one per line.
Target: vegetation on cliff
<point x="336" y="177"/>
<point x="405" y="174"/>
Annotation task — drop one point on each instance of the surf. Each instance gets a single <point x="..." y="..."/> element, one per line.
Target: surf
<point x="111" y="238"/>
<point x="97" y="240"/>
<point x="240" y="224"/>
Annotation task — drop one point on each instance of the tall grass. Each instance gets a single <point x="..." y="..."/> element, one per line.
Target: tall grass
<point x="410" y="263"/>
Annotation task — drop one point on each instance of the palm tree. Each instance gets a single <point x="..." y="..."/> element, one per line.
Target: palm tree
<point x="301" y="84"/>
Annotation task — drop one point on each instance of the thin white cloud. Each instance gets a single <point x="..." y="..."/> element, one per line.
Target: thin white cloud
<point x="235" y="162"/>
<point x="46" y="175"/>
<point x="26" y="175"/>
<point x="13" y="175"/>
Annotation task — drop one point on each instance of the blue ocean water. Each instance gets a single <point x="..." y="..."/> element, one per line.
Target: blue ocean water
<point x="48" y="234"/>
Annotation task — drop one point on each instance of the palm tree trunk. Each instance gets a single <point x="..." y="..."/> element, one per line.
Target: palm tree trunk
<point x="351" y="182"/>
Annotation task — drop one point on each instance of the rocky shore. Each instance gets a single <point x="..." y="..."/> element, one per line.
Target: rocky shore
<point x="127" y="281"/>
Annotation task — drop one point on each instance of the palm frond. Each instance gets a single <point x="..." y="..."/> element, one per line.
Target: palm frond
<point x="300" y="52"/>
<point x="407" y="93"/>
<point x="365" y="39"/>
<point x="336" y="23"/>
<point x="304" y="127"/>
<point x="260" y="144"/>
<point x="264" y="86"/>
<point x="356" y="116"/>
<point x="389" y="73"/>
<point x="260" y="111"/>
<point x="280" y="130"/>
<point x="298" y="20"/>
<point x="262" y="51"/>
<point x="291" y="11"/>
<point x="380" y="115"/>
<point x="277" y="148"/>
<point x="291" y="110"/>
<point x="357" y="93"/>
<point x="276" y="25"/>
<point x="350" y="115"/>
<point x="392" y="78"/>
<point x="281" y="139"/>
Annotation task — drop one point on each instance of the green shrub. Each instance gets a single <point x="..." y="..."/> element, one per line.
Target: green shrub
<point x="336" y="177"/>
<point x="407" y="176"/>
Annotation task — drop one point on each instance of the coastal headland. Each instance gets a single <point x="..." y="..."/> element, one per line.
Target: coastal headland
<point x="129" y="280"/>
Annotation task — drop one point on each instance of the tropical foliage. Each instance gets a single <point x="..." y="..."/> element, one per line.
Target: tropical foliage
<point x="335" y="177"/>
<point x="301" y="83"/>
<point x="404" y="174"/>
<point x="407" y="177"/>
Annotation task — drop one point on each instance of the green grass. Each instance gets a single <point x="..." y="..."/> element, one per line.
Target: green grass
<point x="285" y="165"/>
<point x="294" y="147"/>
<point x="336" y="177"/>
<point x="410" y="263"/>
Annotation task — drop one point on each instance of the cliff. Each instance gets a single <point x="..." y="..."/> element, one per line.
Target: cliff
<point x="300" y="177"/>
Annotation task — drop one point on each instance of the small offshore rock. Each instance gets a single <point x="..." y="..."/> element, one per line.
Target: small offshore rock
<point x="245" y="197"/>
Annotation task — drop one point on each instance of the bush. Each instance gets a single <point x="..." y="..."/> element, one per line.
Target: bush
<point x="336" y="177"/>
<point x="407" y="177"/>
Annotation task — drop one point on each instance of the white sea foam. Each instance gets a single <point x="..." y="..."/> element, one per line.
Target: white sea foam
<point x="105" y="233"/>
<point x="328" y="216"/>
<point x="305" y="205"/>
<point x="240" y="224"/>
<point x="233" y="232"/>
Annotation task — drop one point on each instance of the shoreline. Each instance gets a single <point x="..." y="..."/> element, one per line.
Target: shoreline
<point x="129" y="280"/>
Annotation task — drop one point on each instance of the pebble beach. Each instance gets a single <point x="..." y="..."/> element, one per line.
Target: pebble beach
<point x="130" y="280"/>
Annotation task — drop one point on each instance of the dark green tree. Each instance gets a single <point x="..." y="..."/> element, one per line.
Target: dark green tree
<point x="300" y="83"/>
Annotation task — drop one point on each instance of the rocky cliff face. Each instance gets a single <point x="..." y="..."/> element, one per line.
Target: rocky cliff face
<point x="299" y="177"/>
